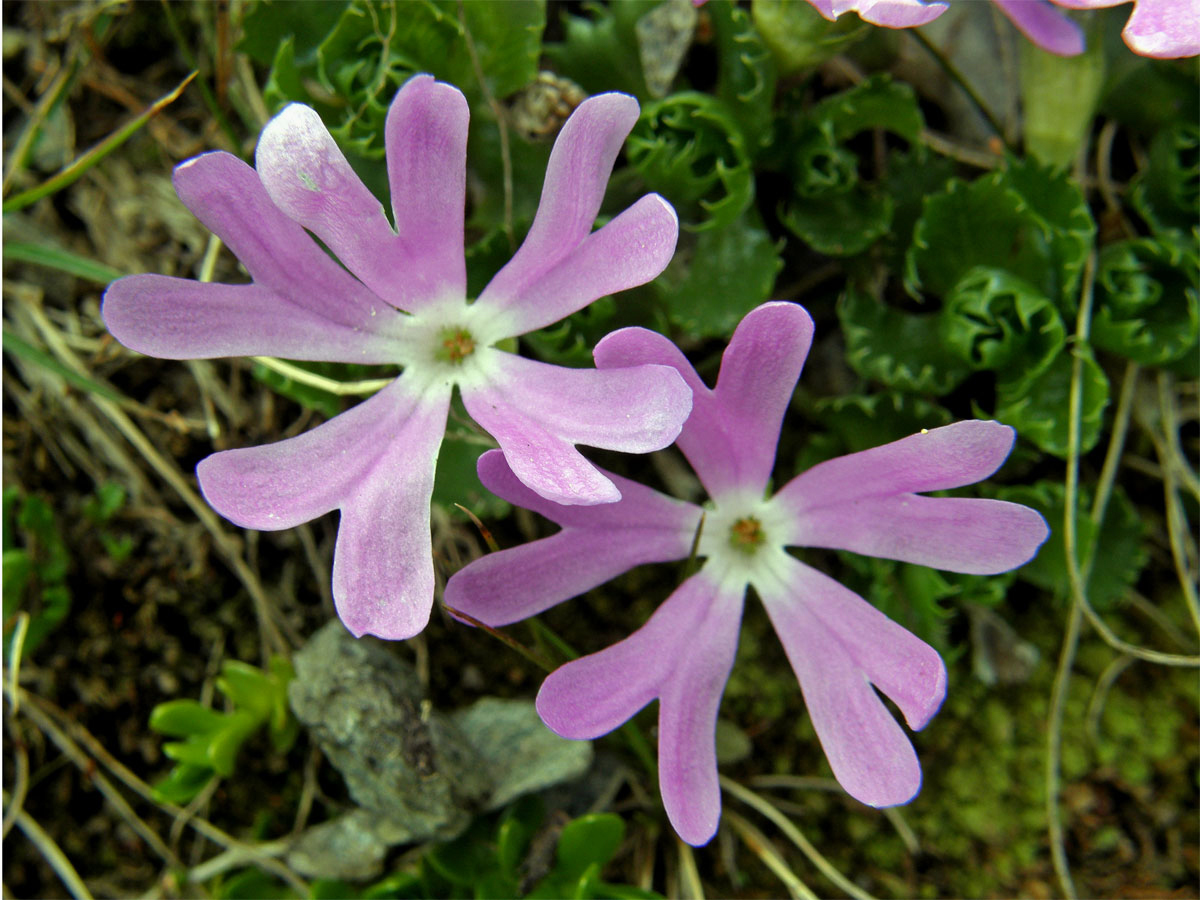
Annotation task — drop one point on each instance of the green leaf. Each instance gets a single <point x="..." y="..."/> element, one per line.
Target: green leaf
<point x="730" y="271"/>
<point x="994" y="320"/>
<point x="689" y="148"/>
<point x="20" y="347"/>
<point x="253" y="884"/>
<point x="902" y="350"/>
<point x="871" y="421"/>
<point x="191" y="752"/>
<point x="269" y="24"/>
<point x="879" y="103"/>
<point x="839" y="223"/>
<point x="1026" y="220"/>
<point x="284" y="83"/>
<point x="586" y="841"/>
<point x="799" y="37"/>
<point x="1058" y="99"/>
<point x="105" y="503"/>
<point x="331" y="889"/>
<point x="1116" y="547"/>
<point x="1038" y="407"/>
<point x="465" y="860"/>
<point x="18" y="571"/>
<point x="1147" y="307"/>
<point x="600" y="52"/>
<point x="745" y="70"/>
<point x="223" y="746"/>
<point x="401" y="884"/>
<point x="1167" y="192"/>
<point x="250" y="689"/>
<point x="50" y="553"/>
<point x="183" y="718"/>
<point x="605" y="891"/>
<point x="62" y="260"/>
<point x="374" y="49"/>
<point x="183" y="783"/>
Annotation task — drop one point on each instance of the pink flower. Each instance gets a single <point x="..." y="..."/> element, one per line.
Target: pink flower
<point x="1167" y="29"/>
<point x="838" y="644"/>
<point x="403" y="300"/>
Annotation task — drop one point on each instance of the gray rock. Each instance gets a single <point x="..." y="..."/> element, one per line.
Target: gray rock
<point x="415" y="773"/>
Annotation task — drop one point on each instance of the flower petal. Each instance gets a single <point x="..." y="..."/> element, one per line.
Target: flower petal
<point x="687" y="718"/>
<point x="1166" y="30"/>
<point x="375" y="462"/>
<point x="979" y="537"/>
<point x="426" y="141"/>
<point x="576" y="178"/>
<point x="599" y="543"/>
<point x="308" y="177"/>
<point x="947" y="457"/>
<point x="630" y="250"/>
<point x="839" y="644"/>
<point x="177" y="318"/>
<point x="1044" y="25"/>
<point x="731" y="435"/>
<point x="538" y="412"/>
<point x="887" y="13"/>
<point x="592" y="695"/>
<point x="228" y="197"/>
<point x="383" y="576"/>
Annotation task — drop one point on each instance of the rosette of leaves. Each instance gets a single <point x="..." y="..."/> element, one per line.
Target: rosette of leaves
<point x="835" y="211"/>
<point x="1147" y="308"/>
<point x="689" y="148"/>
<point x="211" y="740"/>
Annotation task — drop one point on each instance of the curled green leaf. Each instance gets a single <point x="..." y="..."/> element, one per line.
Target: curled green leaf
<point x="1148" y="307"/>
<point x="994" y="320"/>
<point x="689" y="148"/>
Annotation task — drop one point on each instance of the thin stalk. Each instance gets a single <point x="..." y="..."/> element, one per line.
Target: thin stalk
<point x="1177" y="525"/>
<point x="957" y="77"/>
<point x="46" y="103"/>
<point x="758" y="844"/>
<point x="81" y="165"/>
<point x="1075" y="574"/>
<point x="53" y="855"/>
<point x="205" y="91"/>
<point x="330" y="385"/>
<point x="764" y="806"/>
<point x="689" y="875"/>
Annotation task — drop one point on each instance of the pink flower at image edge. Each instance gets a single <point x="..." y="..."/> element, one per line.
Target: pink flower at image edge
<point x="838" y="644"/>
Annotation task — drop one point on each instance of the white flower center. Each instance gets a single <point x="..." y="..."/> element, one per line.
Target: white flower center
<point x="449" y="343"/>
<point x="741" y="540"/>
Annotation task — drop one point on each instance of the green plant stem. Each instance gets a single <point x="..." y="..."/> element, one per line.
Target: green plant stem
<point x="1177" y="525"/>
<point x="330" y="385"/>
<point x="957" y="77"/>
<point x="62" y="260"/>
<point x="76" y="169"/>
<point x="1062" y="677"/>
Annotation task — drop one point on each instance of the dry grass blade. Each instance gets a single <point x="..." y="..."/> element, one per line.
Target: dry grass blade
<point x="758" y="844"/>
<point x="53" y="855"/>
<point x="764" y="806"/>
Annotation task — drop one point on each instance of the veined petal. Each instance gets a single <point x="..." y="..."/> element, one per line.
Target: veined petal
<point x="1044" y="25"/>
<point x="383" y="576"/>
<point x="426" y="141"/>
<point x="979" y="537"/>
<point x="838" y="645"/>
<point x="731" y="435"/>
<point x="177" y="318"/>
<point x="228" y="197"/>
<point x="308" y="177"/>
<point x="630" y="250"/>
<point x="538" y="412"/>
<point x="687" y="718"/>
<point x="576" y="178"/>
<point x="597" y="544"/>
<point x="375" y="462"/>
<point x="947" y="457"/>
